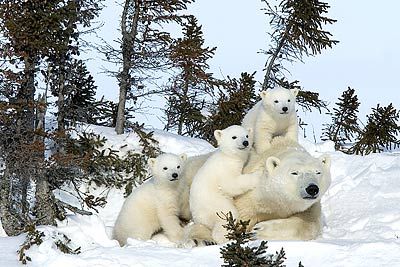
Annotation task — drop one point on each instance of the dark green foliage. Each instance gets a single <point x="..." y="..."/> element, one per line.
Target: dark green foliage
<point x="238" y="253"/>
<point x="305" y="99"/>
<point x="79" y="92"/>
<point x="297" y="31"/>
<point x="93" y="162"/>
<point x="232" y="104"/>
<point x="344" y="123"/>
<point x="381" y="131"/>
<point x="192" y="85"/>
<point x="142" y="49"/>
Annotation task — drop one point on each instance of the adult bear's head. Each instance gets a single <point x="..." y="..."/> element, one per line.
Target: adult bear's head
<point x="292" y="176"/>
<point x="295" y="177"/>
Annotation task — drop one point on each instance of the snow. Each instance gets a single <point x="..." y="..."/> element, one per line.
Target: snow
<point x="361" y="217"/>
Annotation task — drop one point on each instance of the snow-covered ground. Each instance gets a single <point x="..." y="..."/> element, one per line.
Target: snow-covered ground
<point x="361" y="208"/>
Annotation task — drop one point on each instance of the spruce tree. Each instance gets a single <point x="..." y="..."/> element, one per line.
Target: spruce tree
<point x="191" y="86"/>
<point x="381" y="131"/>
<point x="297" y="32"/>
<point x="344" y="123"/>
<point x="234" y="101"/>
<point x="238" y="253"/>
<point x="34" y="33"/>
<point x="143" y="47"/>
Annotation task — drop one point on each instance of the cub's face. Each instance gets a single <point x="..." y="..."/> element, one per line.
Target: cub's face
<point x="279" y="101"/>
<point x="167" y="167"/>
<point x="235" y="138"/>
<point x="303" y="179"/>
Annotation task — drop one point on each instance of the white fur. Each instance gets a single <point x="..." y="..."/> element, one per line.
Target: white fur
<point x="281" y="205"/>
<point x="220" y="179"/>
<point x="154" y="205"/>
<point x="276" y="207"/>
<point x="274" y="115"/>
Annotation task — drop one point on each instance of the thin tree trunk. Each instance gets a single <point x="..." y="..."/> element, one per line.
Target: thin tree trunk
<point x="45" y="200"/>
<point x="274" y="56"/>
<point x="10" y="219"/>
<point x="128" y="41"/>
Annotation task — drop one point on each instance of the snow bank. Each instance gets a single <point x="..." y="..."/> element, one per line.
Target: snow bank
<point x="362" y="219"/>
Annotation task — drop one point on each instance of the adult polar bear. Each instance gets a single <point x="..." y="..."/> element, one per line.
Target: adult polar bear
<point x="285" y="205"/>
<point x="274" y="115"/>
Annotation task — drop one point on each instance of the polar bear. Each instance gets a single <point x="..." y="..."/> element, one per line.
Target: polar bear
<point x="274" y="115"/>
<point x="285" y="204"/>
<point x="154" y="205"/>
<point x="192" y="165"/>
<point x="220" y="179"/>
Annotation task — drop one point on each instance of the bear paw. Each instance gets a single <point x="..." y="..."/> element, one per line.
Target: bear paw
<point x="279" y="229"/>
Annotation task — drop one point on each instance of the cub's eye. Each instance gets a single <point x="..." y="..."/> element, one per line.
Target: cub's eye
<point x="288" y="100"/>
<point x="165" y="168"/>
<point x="247" y="136"/>
<point x="318" y="172"/>
<point x="234" y="137"/>
<point x="178" y="167"/>
<point x="294" y="173"/>
<point x="276" y="101"/>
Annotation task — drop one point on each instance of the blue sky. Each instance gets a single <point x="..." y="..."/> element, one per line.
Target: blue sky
<point x="367" y="57"/>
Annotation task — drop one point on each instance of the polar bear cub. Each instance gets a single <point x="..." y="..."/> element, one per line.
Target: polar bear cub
<point x="154" y="205"/>
<point x="274" y="115"/>
<point x="220" y="179"/>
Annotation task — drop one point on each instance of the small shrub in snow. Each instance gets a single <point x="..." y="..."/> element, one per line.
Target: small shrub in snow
<point x="238" y="253"/>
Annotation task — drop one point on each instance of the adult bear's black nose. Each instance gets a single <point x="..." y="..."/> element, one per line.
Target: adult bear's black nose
<point x="246" y="143"/>
<point x="285" y="109"/>
<point x="312" y="190"/>
<point x="175" y="175"/>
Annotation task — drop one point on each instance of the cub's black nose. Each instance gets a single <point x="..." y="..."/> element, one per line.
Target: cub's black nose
<point x="175" y="175"/>
<point x="312" y="190"/>
<point x="246" y="143"/>
<point x="285" y="109"/>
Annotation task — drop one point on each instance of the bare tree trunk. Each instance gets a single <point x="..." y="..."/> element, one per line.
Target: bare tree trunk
<point x="274" y="57"/>
<point x="129" y="31"/>
<point x="45" y="201"/>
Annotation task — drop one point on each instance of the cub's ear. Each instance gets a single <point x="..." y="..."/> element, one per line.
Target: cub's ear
<point x="325" y="160"/>
<point x="151" y="162"/>
<point x="218" y="135"/>
<point x="295" y="91"/>
<point x="272" y="163"/>
<point x="183" y="157"/>
<point x="263" y="94"/>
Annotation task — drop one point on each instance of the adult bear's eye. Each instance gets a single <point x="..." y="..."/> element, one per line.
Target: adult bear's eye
<point x="276" y="101"/>
<point x="234" y="137"/>
<point x="165" y="168"/>
<point x="247" y="136"/>
<point x="288" y="100"/>
<point x="318" y="172"/>
<point x="294" y="173"/>
<point x="178" y="167"/>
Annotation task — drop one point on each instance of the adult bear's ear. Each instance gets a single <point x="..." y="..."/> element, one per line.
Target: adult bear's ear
<point x="272" y="163"/>
<point x="295" y="91"/>
<point x="263" y="94"/>
<point x="151" y="162"/>
<point x="183" y="157"/>
<point x="218" y="135"/>
<point x="325" y="160"/>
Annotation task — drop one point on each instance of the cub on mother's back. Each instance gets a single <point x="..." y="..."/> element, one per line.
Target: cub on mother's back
<point x="220" y="179"/>
<point x="275" y="115"/>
